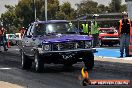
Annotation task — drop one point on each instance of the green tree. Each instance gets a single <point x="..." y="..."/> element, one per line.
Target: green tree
<point x="25" y="12"/>
<point x="39" y="4"/>
<point x="66" y="8"/>
<point x="87" y="6"/>
<point x="123" y="8"/>
<point x="60" y="15"/>
<point x="53" y="7"/>
<point x="9" y="19"/>
<point x="115" y="5"/>
<point x="67" y="11"/>
<point x="102" y="8"/>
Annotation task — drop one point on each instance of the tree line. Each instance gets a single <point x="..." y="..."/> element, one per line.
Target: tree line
<point x="23" y="13"/>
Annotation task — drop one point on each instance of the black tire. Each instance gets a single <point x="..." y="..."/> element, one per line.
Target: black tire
<point x="39" y="64"/>
<point x="89" y="60"/>
<point x="26" y="63"/>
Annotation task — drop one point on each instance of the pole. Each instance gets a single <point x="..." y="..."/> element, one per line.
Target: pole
<point x="78" y="24"/>
<point x="45" y="10"/>
<point x="78" y="21"/>
<point x="114" y="7"/>
<point x="35" y="10"/>
<point x="129" y="8"/>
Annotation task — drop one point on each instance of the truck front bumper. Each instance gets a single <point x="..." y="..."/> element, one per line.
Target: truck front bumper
<point x="67" y="51"/>
<point x="110" y="39"/>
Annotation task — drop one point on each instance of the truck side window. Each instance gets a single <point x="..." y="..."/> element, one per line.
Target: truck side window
<point x="29" y="29"/>
<point x="32" y="30"/>
<point x="39" y="29"/>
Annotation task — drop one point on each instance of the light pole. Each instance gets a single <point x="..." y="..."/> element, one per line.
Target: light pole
<point x="35" y="10"/>
<point x="129" y="8"/>
<point x="45" y="10"/>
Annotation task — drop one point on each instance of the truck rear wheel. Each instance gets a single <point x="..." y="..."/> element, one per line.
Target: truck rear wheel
<point x="26" y="63"/>
<point x="39" y="64"/>
<point x="89" y="61"/>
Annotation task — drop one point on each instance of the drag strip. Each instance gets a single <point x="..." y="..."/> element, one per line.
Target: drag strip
<point x="57" y="76"/>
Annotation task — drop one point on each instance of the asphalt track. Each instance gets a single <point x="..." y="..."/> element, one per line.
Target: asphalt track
<point x="56" y="76"/>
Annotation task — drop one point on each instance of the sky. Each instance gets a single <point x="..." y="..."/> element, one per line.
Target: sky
<point x="73" y="2"/>
<point x="6" y="2"/>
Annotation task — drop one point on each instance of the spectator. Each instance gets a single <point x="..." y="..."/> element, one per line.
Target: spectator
<point x="3" y="38"/>
<point x="22" y="31"/>
<point x="94" y="30"/>
<point x="124" y="34"/>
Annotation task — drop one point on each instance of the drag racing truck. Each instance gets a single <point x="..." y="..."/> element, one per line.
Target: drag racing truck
<point x="55" y="41"/>
<point x="108" y="36"/>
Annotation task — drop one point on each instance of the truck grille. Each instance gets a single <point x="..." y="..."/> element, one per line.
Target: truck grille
<point x="68" y="46"/>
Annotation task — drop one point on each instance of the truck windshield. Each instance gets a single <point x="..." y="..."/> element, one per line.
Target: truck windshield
<point x="63" y="28"/>
<point x="107" y="30"/>
<point x="51" y="28"/>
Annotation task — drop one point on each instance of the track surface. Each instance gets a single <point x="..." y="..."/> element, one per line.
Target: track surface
<point x="56" y="76"/>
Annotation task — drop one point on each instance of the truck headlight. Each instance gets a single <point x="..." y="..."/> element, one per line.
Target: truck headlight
<point x="88" y="44"/>
<point x="47" y="47"/>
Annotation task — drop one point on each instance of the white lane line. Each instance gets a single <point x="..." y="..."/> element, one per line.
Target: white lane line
<point x="124" y="58"/>
<point x="5" y="68"/>
<point x="17" y="49"/>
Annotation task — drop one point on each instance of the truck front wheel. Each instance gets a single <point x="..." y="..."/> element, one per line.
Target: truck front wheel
<point x="26" y="63"/>
<point x="39" y="64"/>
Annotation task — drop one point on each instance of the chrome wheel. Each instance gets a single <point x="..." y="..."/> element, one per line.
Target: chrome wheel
<point x="36" y="62"/>
<point x="39" y="64"/>
<point x="22" y="61"/>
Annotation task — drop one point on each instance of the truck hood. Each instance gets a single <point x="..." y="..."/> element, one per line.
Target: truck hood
<point x="63" y="38"/>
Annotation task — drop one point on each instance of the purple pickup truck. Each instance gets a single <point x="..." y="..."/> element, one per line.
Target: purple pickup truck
<point x="57" y="42"/>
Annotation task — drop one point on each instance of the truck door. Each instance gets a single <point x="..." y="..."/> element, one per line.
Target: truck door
<point x="27" y="41"/>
